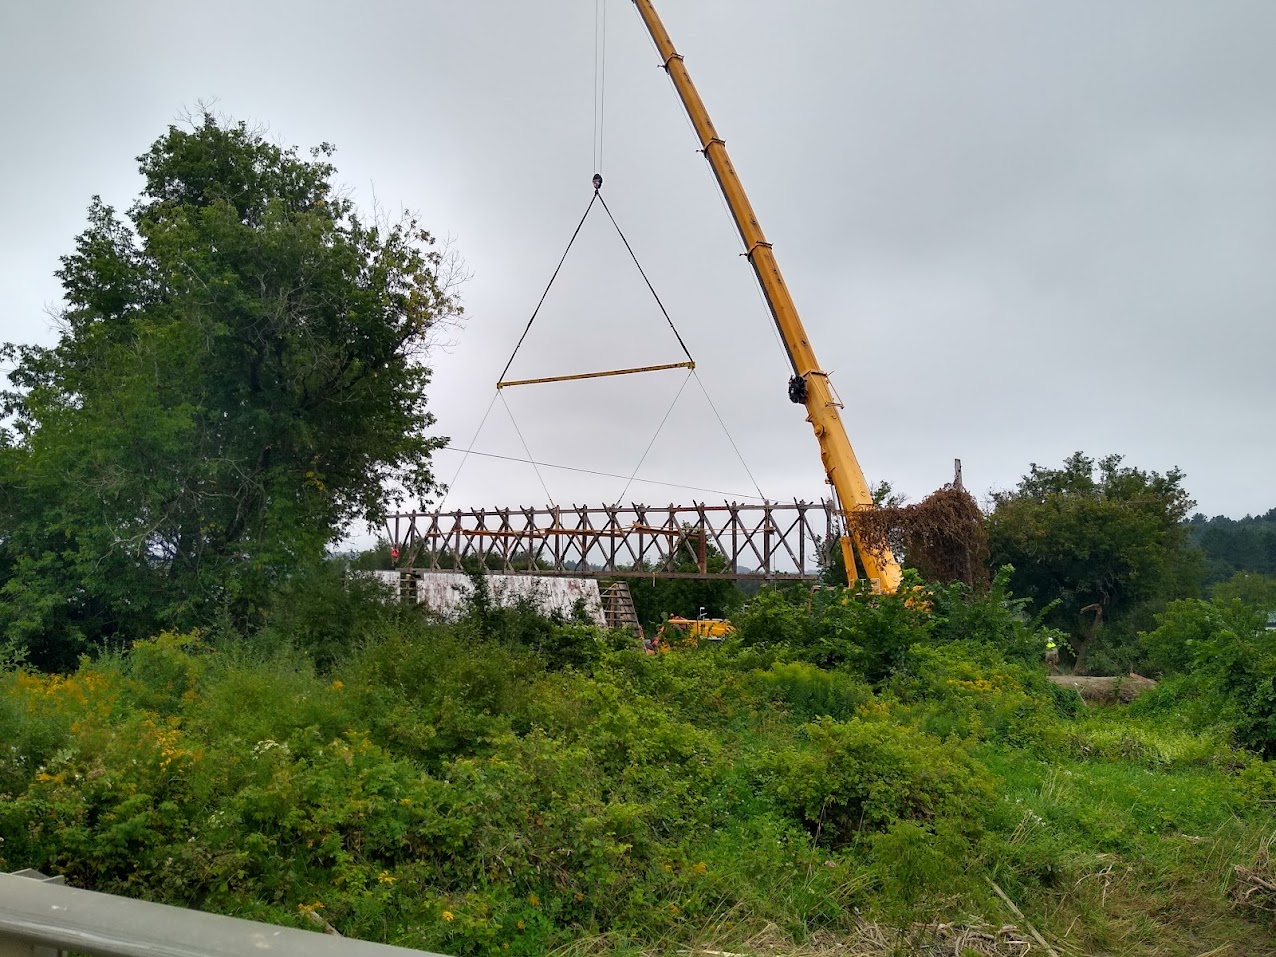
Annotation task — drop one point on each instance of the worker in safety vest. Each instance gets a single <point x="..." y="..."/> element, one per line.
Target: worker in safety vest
<point x="1052" y="656"/>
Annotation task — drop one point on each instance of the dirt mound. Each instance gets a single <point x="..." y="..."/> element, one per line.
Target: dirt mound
<point x="1123" y="688"/>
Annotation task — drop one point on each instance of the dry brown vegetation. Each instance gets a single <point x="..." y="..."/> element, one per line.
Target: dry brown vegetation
<point x="942" y="536"/>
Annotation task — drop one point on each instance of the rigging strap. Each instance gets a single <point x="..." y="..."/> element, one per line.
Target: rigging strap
<point x="447" y="489"/>
<point x="596" y="197"/>
<point x="660" y="428"/>
<point x="530" y="457"/>
<point x="570" y="242"/>
<point x="730" y="437"/>
<point x="642" y="272"/>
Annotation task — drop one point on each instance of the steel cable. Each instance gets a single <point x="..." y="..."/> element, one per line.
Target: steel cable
<point x="659" y="429"/>
<point x="557" y="268"/>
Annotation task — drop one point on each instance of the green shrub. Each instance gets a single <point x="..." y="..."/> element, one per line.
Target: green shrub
<point x="44" y="719"/>
<point x="247" y="698"/>
<point x="864" y="776"/>
<point x="705" y="684"/>
<point x="968" y="689"/>
<point x="432" y="690"/>
<point x="811" y="692"/>
<point x="837" y="627"/>
<point x="1188" y="629"/>
<point x="1227" y="662"/>
<point x="995" y="619"/>
<point x="914" y="863"/>
<point x="447" y="789"/>
<point x="329" y="613"/>
<point x="560" y="640"/>
<point x="774" y="618"/>
<point x="165" y="670"/>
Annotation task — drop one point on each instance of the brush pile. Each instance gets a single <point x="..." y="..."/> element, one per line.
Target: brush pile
<point x="942" y="536"/>
<point x="1255" y="887"/>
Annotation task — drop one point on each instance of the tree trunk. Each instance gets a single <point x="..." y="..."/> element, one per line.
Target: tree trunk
<point x="1079" y="645"/>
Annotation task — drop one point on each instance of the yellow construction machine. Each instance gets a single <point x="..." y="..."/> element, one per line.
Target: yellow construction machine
<point x="678" y="632"/>
<point x="809" y="385"/>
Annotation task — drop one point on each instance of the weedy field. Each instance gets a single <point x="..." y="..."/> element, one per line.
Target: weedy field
<point x="846" y="776"/>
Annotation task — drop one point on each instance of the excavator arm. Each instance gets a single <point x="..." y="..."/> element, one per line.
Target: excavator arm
<point x="810" y="384"/>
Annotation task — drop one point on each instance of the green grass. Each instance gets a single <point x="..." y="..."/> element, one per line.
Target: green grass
<point x="1128" y="845"/>
<point x="443" y="789"/>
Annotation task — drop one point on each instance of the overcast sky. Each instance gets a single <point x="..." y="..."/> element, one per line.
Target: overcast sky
<point x="1014" y="230"/>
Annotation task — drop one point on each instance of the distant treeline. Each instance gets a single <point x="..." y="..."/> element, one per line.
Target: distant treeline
<point x="1236" y="545"/>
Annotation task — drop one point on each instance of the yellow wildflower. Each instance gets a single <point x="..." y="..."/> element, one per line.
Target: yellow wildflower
<point x="448" y="916"/>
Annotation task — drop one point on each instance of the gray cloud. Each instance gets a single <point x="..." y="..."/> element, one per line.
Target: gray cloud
<point x="1014" y="230"/>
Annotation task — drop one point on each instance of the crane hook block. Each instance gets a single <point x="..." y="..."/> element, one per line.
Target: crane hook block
<point x="797" y="390"/>
<point x="598" y="181"/>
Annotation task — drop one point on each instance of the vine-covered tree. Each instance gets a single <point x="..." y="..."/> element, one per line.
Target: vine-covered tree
<point x="238" y="376"/>
<point x="1097" y="543"/>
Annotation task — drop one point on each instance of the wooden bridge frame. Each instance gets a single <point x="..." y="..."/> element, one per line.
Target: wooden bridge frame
<point x="765" y="542"/>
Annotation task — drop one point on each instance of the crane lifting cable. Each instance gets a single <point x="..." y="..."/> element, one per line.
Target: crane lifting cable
<point x="600" y="53"/>
<point x="689" y="363"/>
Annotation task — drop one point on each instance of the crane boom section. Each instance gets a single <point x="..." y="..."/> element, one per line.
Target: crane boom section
<point x="840" y="464"/>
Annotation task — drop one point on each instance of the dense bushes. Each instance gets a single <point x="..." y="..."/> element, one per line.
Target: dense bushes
<point x="811" y="692"/>
<point x="968" y="690"/>
<point x="837" y="627"/>
<point x="846" y="778"/>
<point x="511" y="785"/>
<point x="1221" y="666"/>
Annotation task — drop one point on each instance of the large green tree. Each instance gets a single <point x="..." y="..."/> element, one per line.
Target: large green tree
<point x="238" y="376"/>
<point x="1100" y="544"/>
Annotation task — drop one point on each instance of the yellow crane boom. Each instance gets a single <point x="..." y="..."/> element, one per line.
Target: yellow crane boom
<point x="810" y="384"/>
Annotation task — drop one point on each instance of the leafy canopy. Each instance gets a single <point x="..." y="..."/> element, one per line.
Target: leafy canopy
<point x="1102" y="541"/>
<point x="1220" y="661"/>
<point x="238" y="376"/>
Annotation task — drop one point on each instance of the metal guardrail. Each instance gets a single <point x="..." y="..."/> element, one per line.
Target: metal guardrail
<point x="42" y="918"/>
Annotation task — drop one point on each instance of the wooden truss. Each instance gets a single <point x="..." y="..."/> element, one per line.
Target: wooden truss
<point x="771" y="541"/>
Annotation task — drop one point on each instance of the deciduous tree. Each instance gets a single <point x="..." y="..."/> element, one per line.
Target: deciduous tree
<point x="238" y="376"/>
<point x="1101" y="541"/>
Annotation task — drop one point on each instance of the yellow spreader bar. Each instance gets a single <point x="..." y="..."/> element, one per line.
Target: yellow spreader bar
<point x="596" y="375"/>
